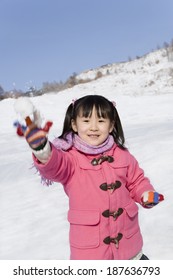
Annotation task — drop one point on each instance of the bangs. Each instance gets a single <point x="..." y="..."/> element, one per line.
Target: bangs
<point x="85" y="107"/>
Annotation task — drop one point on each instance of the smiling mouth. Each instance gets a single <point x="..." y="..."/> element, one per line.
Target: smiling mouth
<point x="93" y="135"/>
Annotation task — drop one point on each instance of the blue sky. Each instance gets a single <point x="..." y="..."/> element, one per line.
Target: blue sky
<point x="48" y="40"/>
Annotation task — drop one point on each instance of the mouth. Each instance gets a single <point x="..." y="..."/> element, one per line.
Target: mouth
<point x="94" y="136"/>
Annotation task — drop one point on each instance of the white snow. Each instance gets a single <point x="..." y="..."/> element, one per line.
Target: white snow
<point x="33" y="223"/>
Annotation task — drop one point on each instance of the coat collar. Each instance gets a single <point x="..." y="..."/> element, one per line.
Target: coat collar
<point x="84" y="160"/>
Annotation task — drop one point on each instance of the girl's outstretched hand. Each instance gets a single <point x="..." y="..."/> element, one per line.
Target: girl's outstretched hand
<point x="151" y="198"/>
<point x="35" y="135"/>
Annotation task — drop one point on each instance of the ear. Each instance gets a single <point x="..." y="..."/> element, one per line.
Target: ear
<point x="111" y="127"/>
<point x="73" y="125"/>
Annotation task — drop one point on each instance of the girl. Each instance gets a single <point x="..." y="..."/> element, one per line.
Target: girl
<point x="101" y="178"/>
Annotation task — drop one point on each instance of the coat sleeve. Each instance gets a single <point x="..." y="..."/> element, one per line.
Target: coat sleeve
<point x="137" y="182"/>
<point x="59" y="168"/>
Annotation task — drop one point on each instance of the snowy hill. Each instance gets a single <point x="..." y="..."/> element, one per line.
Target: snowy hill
<point x="33" y="217"/>
<point x="150" y="74"/>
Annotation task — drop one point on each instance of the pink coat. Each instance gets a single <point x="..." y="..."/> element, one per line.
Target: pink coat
<point x="103" y="215"/>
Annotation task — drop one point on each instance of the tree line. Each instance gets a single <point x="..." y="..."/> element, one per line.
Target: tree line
<point x="73" y="80"/>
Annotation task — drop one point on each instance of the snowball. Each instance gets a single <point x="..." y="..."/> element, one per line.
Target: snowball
<point x="24" y="107"/>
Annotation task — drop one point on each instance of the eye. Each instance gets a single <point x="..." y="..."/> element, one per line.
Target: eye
<point x="86" y="120"/>
<point x="101" y="120"/>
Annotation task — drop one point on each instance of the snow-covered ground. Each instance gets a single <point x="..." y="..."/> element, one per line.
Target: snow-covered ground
<point x="33" y="222"/>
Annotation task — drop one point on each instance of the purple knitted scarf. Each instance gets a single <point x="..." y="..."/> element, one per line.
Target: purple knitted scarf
<point x="82" y="146"/>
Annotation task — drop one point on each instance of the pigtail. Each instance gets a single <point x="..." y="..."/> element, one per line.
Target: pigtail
<point x="118" y="132"/>
<point x="67" y="121"/>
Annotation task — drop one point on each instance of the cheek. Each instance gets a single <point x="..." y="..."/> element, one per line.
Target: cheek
<point x="81" y="130"/>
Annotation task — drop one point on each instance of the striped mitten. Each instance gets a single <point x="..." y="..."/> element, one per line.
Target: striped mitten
<point x="151" y="198"/>
<point x="36" y="137"/>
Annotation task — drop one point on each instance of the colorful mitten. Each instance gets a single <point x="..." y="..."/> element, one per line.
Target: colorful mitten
<point x="36" y="137"/>
<point x="34" y="134"/>
<point x="151" y="198"/>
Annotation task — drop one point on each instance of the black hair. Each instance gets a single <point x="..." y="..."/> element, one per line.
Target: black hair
<point x="104" y="108"/>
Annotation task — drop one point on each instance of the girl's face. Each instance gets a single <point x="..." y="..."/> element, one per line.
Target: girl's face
<point x="93" y="130"/>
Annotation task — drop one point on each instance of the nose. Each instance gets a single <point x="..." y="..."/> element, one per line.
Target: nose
<point x="93" y="125"/>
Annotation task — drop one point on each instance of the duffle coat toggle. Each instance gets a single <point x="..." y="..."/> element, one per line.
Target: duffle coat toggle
<point x="114" y="214"/>
<point x="114" y="240"/>
<point x="112" y="186"/>
<point x="101" y="159"/>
